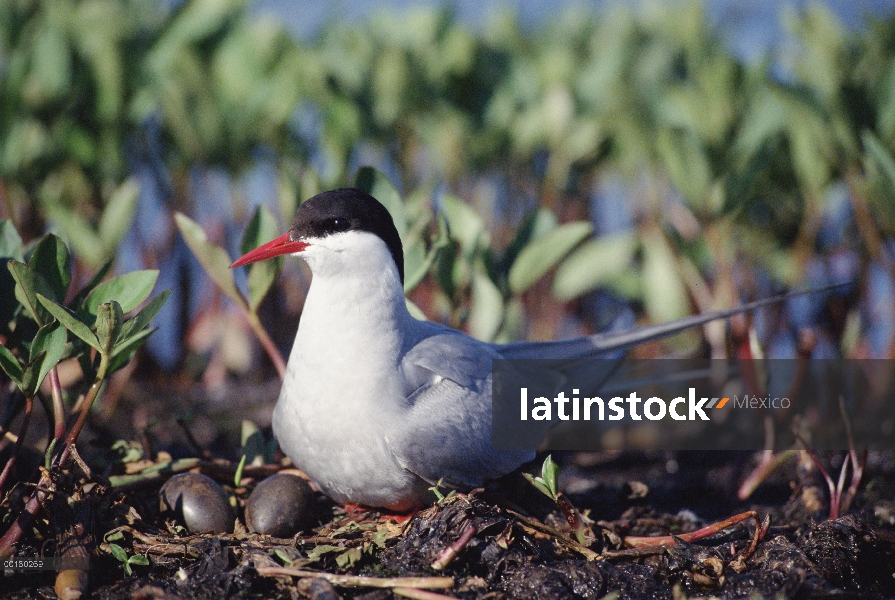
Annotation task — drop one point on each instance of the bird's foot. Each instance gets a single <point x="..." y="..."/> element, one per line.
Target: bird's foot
<point x="399" y="519"/>
<point x="358" y="510"/>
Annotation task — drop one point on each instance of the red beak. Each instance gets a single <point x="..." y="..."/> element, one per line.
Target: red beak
<point x="277" y="247"/>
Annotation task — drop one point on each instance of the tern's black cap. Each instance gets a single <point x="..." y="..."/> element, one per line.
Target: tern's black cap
<point x="347" y="209"/>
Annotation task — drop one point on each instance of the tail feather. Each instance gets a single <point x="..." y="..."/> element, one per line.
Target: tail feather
<point x="612" y="344"/>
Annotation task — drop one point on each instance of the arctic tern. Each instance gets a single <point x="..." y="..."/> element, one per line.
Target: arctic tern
<point x="377" y="406"/>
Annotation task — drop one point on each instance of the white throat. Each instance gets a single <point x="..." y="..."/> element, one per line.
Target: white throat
<point x="355" y="304"/>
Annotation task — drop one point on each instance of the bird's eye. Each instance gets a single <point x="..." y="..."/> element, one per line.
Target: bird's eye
<point x="335" y="224"/>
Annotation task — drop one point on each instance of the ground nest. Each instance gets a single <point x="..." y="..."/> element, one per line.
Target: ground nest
<point x="506" y="542"/>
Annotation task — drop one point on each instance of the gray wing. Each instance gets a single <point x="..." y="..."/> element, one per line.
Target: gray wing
<point x="448" y="387"/>
<point x="447" y="431"/>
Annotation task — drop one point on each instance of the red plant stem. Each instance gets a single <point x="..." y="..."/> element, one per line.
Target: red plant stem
<point x="769" y="463"/>
<point x="417" y="594"/>
<point x="58" y="407"/>
<point x="7" y="469"/>
<point x="568" y="511"/>
<point x="836" y="502"/>
<point x="20" y="525"/>
<point x="451" y="552"/>
<point x="92" y="393"/>
<point x="856" y="476"/>
<point x="831" y="485"/>
<point x="761" y="529"/>
<point x="746" y="360"/>
<point x="269" y="347"/>
<point x="669" y="540"/>
<point x="573" y="518"/>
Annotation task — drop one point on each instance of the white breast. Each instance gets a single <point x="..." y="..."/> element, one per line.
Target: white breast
<point x="343" y="393"/>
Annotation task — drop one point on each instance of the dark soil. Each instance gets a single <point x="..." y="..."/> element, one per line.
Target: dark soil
<point x="512" y="553"/>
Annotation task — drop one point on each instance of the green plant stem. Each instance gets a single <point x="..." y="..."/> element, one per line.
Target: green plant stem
<point x="7" y="469"/>
<point x="92" y="393"/>
<point x="269" y="347"/>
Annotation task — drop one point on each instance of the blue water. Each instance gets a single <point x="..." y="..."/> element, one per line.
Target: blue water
<point x="750" y="27"/>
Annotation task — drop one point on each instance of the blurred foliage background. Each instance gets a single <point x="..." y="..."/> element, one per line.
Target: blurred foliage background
<point x="603" y="168"/>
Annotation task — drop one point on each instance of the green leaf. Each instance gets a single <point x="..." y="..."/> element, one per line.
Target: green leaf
<point x="687" y="166"/>
<point x="125" y="349"/>
<point x="547" y="483"/>
<point x="664" y="294"/>
<point x="415" y="259"/>
<point x="539" y="483"/>
<point x="31" y="374"/>
<point x="415" y="310"/>
<point x="10" y="248"/>
<point x="112" y="537"/>
<point x="97" y="278"/>
<point x="212" y="257"/>
<point x="262" y="228"/>
<point x="141" y="320"/>
<point x="70" y="321"/>
<point x="414" y="275"/>
<point x="121" y="556"/>
<point x="109" y="320"/>
<point x="10" y="242"/>
<point x="538" y="223"/>
<point x="317" y="551"/>
<point x="240" y="467"/>
<point x="51" y="259"/>
<point x="349" y="557"/>
<point x="29" y="284"/>
<point x="288" y="195"/>
<point x="86" y="244"/>
<point x="129" y="290"/>
<point x="50" y="339"/>
<point x="811" y="146"/>
<point x="550" y="474"/>
<point x="119" y="213"/>
<point x="50" y="453"/>
<point x="595" y="263"/>
<point x="544" y="253"/>
<point x="252" y="443"/>
<point x="465" y="225"/>
<point x="51" y="65"/>
<point x="380" y="187"/>
<point x="486" y="310"/>
<point x="10" y="365"/>
<point x="882" y="158"/>
<point x="138" y="559"/>
<point x="118" y="552"/>
<point x="445" y="270"/>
